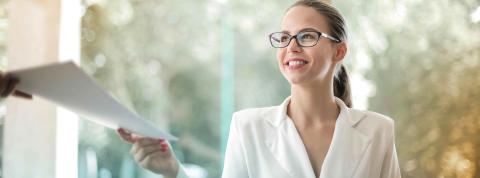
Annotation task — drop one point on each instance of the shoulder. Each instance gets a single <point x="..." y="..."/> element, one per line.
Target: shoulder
<point x="255" y="115"/>
<point x="374" y="124"/>
<point x="377" y="119"/>
<point x="255" y="122"/>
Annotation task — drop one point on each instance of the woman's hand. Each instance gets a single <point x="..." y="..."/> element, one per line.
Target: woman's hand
<point x="152" y="154"/>
<point x="7" y="87"/>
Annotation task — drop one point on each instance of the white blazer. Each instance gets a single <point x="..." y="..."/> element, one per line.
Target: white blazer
<point x="264" y="143"/>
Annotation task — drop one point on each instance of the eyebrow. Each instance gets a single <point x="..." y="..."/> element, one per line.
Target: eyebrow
<point x="302" y="30"/>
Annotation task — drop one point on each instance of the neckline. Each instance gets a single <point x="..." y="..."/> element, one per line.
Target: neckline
<point x="340" y="119"/>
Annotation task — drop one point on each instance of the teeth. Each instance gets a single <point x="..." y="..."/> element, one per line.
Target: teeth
<point x="293" y="63"/>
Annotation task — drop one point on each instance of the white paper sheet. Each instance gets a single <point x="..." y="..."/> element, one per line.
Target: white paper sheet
<point x="68" y="86"/>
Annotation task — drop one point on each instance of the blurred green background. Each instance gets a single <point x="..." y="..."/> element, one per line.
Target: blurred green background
<point x="187" y="65"/>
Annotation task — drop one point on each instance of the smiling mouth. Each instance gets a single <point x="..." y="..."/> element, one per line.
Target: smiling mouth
<point x="296" y="63"/>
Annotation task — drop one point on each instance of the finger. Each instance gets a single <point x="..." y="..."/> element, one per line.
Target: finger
<point x="126" y="136"/>
<point x="156" y="155"/>
<point x="10" y="87"/>
<point x="147" y="151"/>
<point x="145" y="162"/>
<point x="4" y="80"/>
<point x="163" y="153"/>
<point x="141" y="143"/>
<point x="144" y="141"/>
<point x="164" y="145"/>
<point x="137" y="145"/>
<point x="22" y="94"/>
<point x="153" y="151"/>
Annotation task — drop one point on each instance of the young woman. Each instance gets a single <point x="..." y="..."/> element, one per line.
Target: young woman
<point x="314" y="132"/>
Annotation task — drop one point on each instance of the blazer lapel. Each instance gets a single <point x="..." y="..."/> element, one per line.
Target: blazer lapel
<point x="348" y="145"/>
<point x="286" y="146"/>
<point x="346" y="150"/>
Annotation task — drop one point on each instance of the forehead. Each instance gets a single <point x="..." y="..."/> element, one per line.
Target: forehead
<point x="301" y="17"/>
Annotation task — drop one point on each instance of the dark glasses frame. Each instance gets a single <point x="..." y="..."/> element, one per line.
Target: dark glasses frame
<point x="320" y="34"/>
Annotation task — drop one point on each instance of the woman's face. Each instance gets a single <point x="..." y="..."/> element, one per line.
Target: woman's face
<point x="314" y="64"/>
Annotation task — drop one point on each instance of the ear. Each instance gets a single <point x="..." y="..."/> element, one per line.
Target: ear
<point x="341" y="51"/>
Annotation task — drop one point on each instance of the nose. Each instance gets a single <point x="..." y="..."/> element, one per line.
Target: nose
<point x="293" y="46"/>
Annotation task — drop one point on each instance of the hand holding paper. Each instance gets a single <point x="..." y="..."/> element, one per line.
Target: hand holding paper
<point x="7" y="87"/>
<point x="68" y="86"/>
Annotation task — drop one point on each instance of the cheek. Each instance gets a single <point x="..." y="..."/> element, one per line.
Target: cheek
<point x="321" y="56"/>
<point x="280" y="56"/>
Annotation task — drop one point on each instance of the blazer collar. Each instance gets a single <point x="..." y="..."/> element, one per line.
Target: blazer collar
<point x="351" y="117"/>
<point x="346" y="149"/>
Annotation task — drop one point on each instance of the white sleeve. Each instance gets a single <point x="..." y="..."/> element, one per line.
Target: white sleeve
<point x="234" y="165"/>
<point x="390" y="167"/>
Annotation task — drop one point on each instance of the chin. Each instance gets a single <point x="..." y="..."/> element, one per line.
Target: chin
<point x="296" y="80"/>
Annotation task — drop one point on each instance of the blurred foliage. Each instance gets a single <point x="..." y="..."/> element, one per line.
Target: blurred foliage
<point x="425" y="65"/>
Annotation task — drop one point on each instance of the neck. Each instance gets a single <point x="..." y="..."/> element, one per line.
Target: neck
<point x="313" y="105"/>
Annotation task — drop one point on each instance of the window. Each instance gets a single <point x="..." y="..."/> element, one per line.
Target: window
<point x="185" y="66"/>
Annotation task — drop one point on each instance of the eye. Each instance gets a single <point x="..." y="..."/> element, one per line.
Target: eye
<point x="275" y="39"/>
<point x="284" y="38"/>
<point x="308" y="36"/>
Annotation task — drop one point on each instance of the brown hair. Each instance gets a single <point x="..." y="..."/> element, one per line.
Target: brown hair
<point x="337" y="28"/>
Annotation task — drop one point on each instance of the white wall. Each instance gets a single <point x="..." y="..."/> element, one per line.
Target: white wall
<point x="40" y="140"/>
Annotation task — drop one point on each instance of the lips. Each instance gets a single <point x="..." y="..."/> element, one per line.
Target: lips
<point x="295" y="63"/>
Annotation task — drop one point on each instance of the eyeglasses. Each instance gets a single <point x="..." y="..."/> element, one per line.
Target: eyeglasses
<point x="304" y="39"/>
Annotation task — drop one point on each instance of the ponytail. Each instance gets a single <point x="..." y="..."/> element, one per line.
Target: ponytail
<point x="341" y="86"/>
